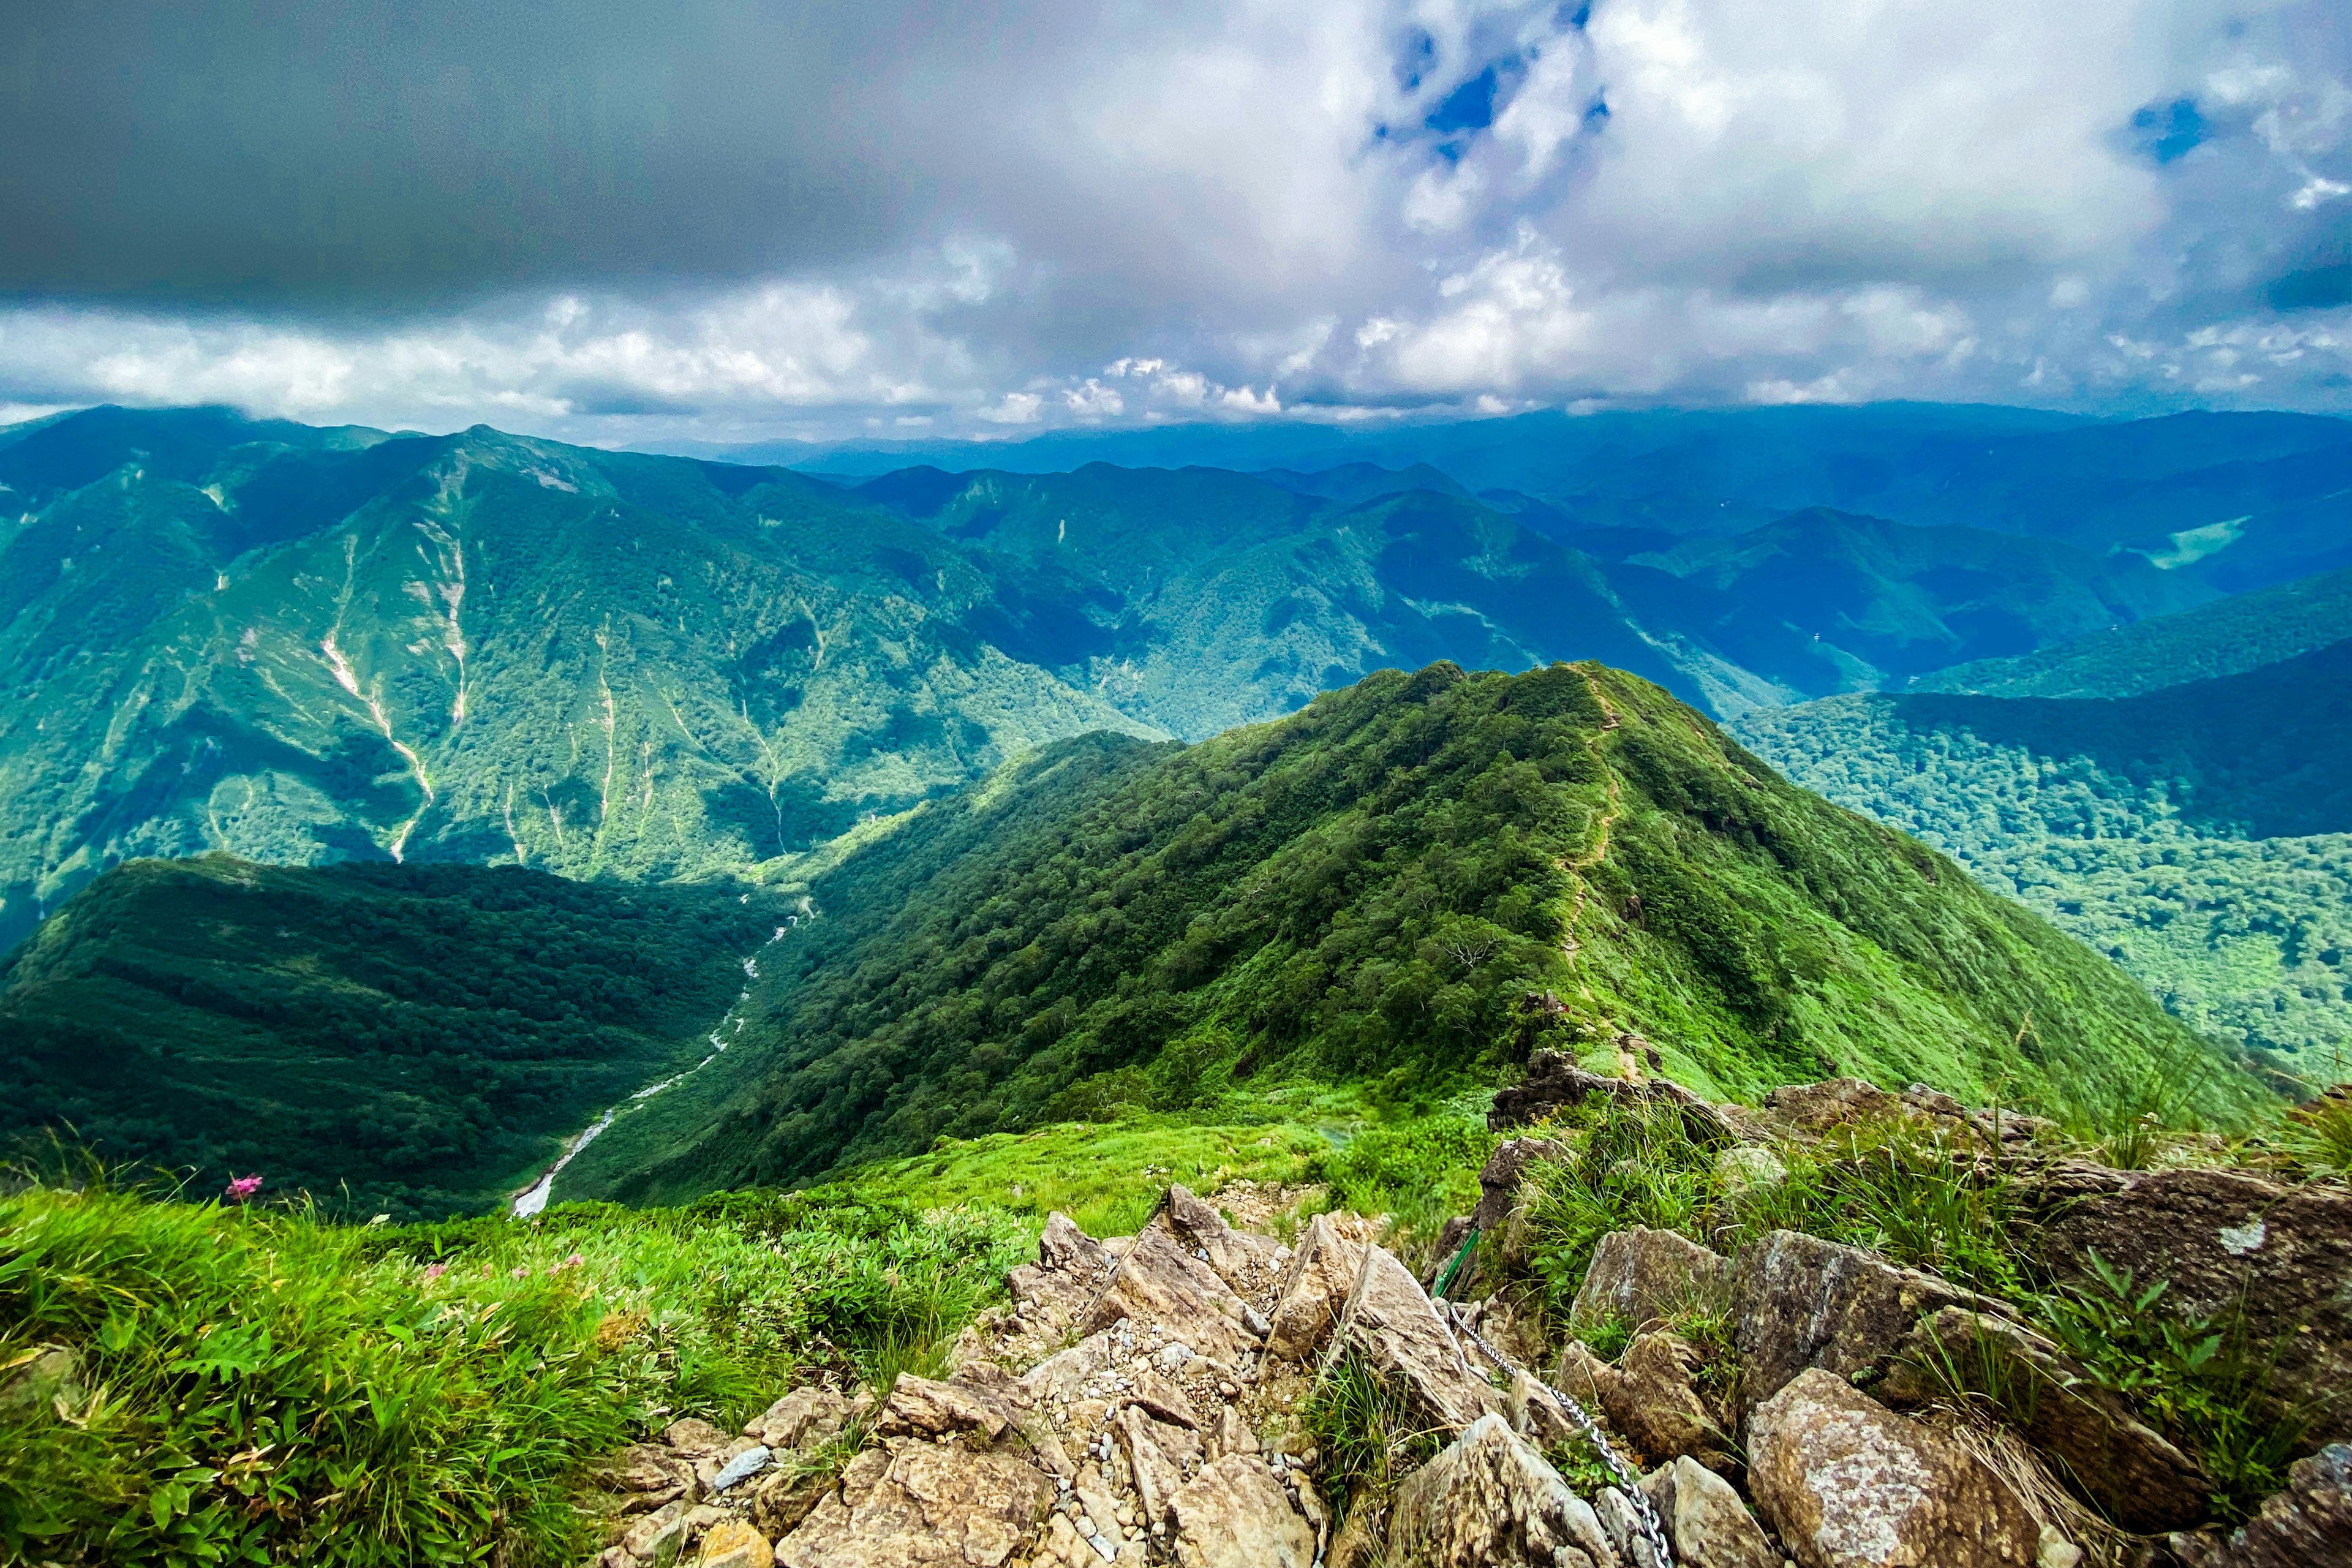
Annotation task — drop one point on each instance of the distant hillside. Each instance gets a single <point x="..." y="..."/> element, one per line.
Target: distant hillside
<point x="2200" y="834"/>
<point x="413" y="1040"/>
<point x="1371" y="892"/>
<point x="2230" y="638"/>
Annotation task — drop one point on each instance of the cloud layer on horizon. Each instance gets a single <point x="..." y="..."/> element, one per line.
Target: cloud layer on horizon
<point x="735" y="221"/>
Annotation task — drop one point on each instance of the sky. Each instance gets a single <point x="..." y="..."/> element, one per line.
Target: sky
<point x="727" y="220"/>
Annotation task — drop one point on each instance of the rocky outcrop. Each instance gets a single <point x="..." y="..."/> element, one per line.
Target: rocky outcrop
<point x="804" y="1417"/>
<point x="1498" y="1182"/>
<point x="1236" y="1514"/>
<point x="1160" y="1284"/>
<point x="2308" y="1523"/>
<point x="1647" y="1275"/>
<point x="1313" y="1289"/>
<point x="1804" y="1302"/>
<point x="1707" y="1524"/>
<point x="1555" y="1082"/>
<point x="2213" y="1233"/>
<point x="920" y="1406"/>
<point x="1071" y="1270"/>
<point x="2128" y="1468"/>
<point x="1389" y="1324"/>
<point x="1847" y="1483"/>
<point x="915" y="1504"/>
<point x="1245" y="1262"/>
<point x="1490" y="1501"/>
<point x="1656" y="1403"/>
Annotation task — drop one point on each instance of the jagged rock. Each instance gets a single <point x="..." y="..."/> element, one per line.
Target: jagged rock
<point x="1315" y="1286"/>
<point x="1243" y="1260"/>
<point x="1801" y="1301"/>
<point x="1490" y="1501"/>
<point x="2213" y="1233"/>
<point x="732" y="1544"/>
<point x="1655" y="1401"/>
<point x="1498" y="1183"/>
<point x="919" y="1405"/>
<point x="1164" y="1401"/>
<point x="1389" y="1324"/>
<point x="695" y="1439"/>
<point x="1554" y="1082"/>
<point x="1536" y="1413"/>
<point x="1706" y="1522"/>
<point x="662" y="1530"/>
<point x="802" y="1419"/>
<point x="1070" y="1272"/>
<point x="1235" y="1514"/>
<point x="1635" y="1546"/>
<point x="1160" y="1283"/>
<point x="1643" y="1276"/>
<point x="1064" y="1375"/>
<point x="780" y="1501"/>
<point x="2128" y="1468"/>
<point x="1158" y="1455"/>
<point x="651" y="1474"/>
<point x="925" y="1503"/>
<point x="1231" y="1434"/>
<point x="2308" y="1523"/>
<point x="1813" y="1109"/>
<point x="1847" y="1483"/>
<point x="45" y="1377"/>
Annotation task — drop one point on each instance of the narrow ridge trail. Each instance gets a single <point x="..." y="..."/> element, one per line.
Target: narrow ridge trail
<point x="1598" y="851"/>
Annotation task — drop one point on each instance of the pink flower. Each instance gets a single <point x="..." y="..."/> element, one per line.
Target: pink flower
<point x="575" y="1261"/>
<point x="241" y="1188"/>
<point x="521" y="1272"/>
<point x="435" y="1270"/>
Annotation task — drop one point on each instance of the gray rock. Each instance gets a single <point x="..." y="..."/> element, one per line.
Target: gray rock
<point x="2309" y="1524"/>
<point x="742" y="1467"/>
<point x="1536" y="1413"/>
<point x="2128" y="1468"/>
<point x="922" y="1505"/>
<point x="1813" y="1109"/>
<point x="1801" y="1301"/>
<point x="1235" y="1514"/>
<point x="1643" y="1276"/>
<point x="1390" y="1324"/>
<point x="1490" y="1501"/>
<point x="1709" y="1526"/>
<point x="1633" y="1544"/>
<point x="1847" y="1483"/>
<point x="2213" y="1233"/>
<point x="1746" y="1168"/>
<point x="1655" y="1402"/>
<point x="45" y="1378"/>
<point x="1498" y="1183"/>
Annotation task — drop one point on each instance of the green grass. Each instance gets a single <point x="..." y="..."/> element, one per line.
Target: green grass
<point x="1369" y="1433"/>
<point x="267" y="1387"/>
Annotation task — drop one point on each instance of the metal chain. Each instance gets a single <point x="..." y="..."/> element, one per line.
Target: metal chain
<point x="1646" y="1517"/>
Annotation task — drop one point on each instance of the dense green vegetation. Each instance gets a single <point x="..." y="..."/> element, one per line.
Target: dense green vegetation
<point x="1376" y="890"/>
<point x="256" y="1386"/>
<point x="2199" y="835"/>
<point x="407" y="1040"/>
<point x="2229" y="637"/>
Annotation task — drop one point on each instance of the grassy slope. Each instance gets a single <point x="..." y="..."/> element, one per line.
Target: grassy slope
<point x="2198" y="835"/>
<point x="1362" y="894"/>
<point x="410" y="1041"/>
<point x="2231" y="638"/>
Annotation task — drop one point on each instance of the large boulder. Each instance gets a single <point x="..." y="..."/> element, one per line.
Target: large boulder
<point x="2127" y="1468"/>
<point x="1160" y="1285"/>
<point x="1236" y="1514"/>
<point x="1847" y="1483"/>
<point x="1490" y="1501"/>
<point x="1315" y="1289"/>
<point x="918" y="1505"/>
<point x="2225" y="1240"/>
<point x="1644" y="1276"/>
<point x="2309" y="1524"/>
<point x="1389" y="1324"/>
<point x="1800" y="1301"/>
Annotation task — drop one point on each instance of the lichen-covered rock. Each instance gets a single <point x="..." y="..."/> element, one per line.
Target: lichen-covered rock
<point x="922" y="1406"/>
<point x="732" y="1543"/>
<point x="648" y="1475"/>
<point x="1707" y="1524"/>
<point x="694" y="1438"/>
<point x="1490" y="1501"/>
<point x="780" y="1501"/>
<point x="2308" y="1523"/>
<point x="1160" y="1284"/>
<point x="1643" y="1276"/>
<point x="1635" y="1546"/>
<point x="1536" y="1413"/>
<point x="1813" y="1109"/>
<point x="1314" y="1288"/>
<point x="923" y="1504"/>
<point x="1655" y="1401"/>
<point x="1847" y="1483"/>
<point x="800" y="1419"/>
<point x="1800" y="1301"/>
<point x="1389" y="1324"/>
<point x="2212" y="1233"/>
<point x="2128" y="1468"/>
<point x="1235" y="1514"/>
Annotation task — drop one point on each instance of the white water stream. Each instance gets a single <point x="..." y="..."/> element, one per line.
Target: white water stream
<point x="534" y="1198"/>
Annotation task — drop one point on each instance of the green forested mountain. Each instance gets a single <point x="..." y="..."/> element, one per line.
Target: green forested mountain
<point x="405" y="1039"/>
<point x="1374" y="890"/>
<point x="2199" y="833"/>
<point x="2227" y="637"/>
